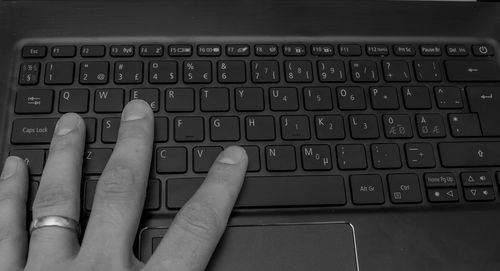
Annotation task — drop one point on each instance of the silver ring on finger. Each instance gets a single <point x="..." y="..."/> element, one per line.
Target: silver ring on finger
<point x="55" y="221"/>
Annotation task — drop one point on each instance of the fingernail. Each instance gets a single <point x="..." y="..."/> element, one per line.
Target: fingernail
<point x="9" y="168"/>
<point x="136" y="109"/>
<point x="66" y="124"/>
<point x="231" y="156"/>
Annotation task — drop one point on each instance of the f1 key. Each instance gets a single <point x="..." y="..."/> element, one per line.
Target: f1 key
<point x="475" y="71"/>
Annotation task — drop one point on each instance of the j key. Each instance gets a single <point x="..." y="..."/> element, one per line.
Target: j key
<point x="298" y="71"/>
<point x="331" y="71"/>
<point x="109" y="100"/>
<point x="280" y="158"/>
<point x="295" y="128"/>
<point x="367" y="189"/>
<point x="416" y="97"/>
<point x="189" y="129"/>
<point x="163" y="72"/>
<point x="179" y="100"/>
<point x="209" y="50"/>
<point x="470" y="154"/>
<point x="442" y="194"/>
<point x="180" y="50"/>
<point x="73" y="100"/>
<point x="203" y="158"/>
<point x="249" y="99"/>
<point x="161" y="129"/>
<point x="34" y="159"/>
<point x="397" y="126"/>
<point x="430" y="125"/>
<point x="472" y="70"/>
<point x="283" y="99"/>
<point x="34" y="101"/>
<point x="427" y="70"/>
<point x="34" y="51"/>
<point x="351" y="157"/>
<point x="294" y="50"/>
<point x="90" y="125"/>
<point x="486" y="102"/>
<point x="95" y="160"/>
<point x="316" y="157"/>
<point x="329" y="127"/>
<point x="95" y="72"/>
<point x="32" y="131"/>
<point x="464" y="125"/>
<point x="280" y="191"/>
<point x="377" y="50"/>
<point x="448" y="97"/>
<point x="476" y="179"/>
<point x="440" y="180"/>
<point x="266" y="50"/>
<point x="238" y="50"/>
<point x="349" y="50"/>
<point x="404" y="188"/>
<point x="150" y="95"/>
<point x="457" y="50"/>
<point x="363" y="126"/>
<point x="59" y="73"/>
<point x="351" y="98"/>
<point x="385" y="156"/>
<point x="322" y="50"/>
<point x="364" y="71"/>
<point x="128" y="72"/>
<point x="122" y="50"/>
<point x="214" y="99"/>
<point x="109" y="129"/>
<point x="404" y="50"/>
<point x="384" y="98"/>
<point x="253" y="153"/>
<point x="430" y="50"/>
<point x="231" y="71"/>
<point x="259" y="128"/>
<point x="482" y="50"/>
<point x="479" y="194"/>
<point x="199" y="71"/>
<point x="224" y="128"/>
<point x="153" y="50"/>
<point x="317" y="98"/>
<point x="93" y="51"/>
<point x="29" y="73"/>
<point x="171" y="160"/>
<point x="420" y="155"/>
<point x="265" y="71"/>
<point x="396" y="71"/>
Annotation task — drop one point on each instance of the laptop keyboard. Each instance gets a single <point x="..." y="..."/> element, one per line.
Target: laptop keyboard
<point x="324" y="125"/>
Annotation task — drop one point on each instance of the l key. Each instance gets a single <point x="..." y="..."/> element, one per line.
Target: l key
<point x="470" y="154"/>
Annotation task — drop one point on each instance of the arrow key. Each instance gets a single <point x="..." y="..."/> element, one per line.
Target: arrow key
<point x="476" y="179"/>
<point x="479" y="194"/>
<point x="442" y="195"/>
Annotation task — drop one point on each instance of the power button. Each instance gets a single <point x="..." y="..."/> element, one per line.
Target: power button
<point x="482" y="50"/>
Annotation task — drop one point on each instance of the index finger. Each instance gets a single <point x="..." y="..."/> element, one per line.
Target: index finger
<point x="199" y="225"/>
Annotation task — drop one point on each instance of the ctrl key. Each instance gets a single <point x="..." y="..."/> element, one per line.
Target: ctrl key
<point x="404" y="188"/>
<point x="32" y="131"/>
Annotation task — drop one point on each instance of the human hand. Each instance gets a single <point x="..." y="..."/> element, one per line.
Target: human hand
<point x="117" y="208"/>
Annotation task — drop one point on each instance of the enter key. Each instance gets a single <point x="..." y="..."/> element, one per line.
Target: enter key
<point x="486" y="102"/>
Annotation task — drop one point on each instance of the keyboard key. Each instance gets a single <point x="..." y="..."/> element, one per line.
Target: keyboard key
<point x="266" y="50"/>
<point x="404" y="50"/>
<point x="470" y="154"/>
<point x="280" y="158"/>
<point x="377" y="50"/>
<point x="225" y="128"/>
<point x="404" y="188"/>
<point x="295" y="128"/>
<point x="385" y="156"/>
<point x="464" y="125"/>
<point x="253" y="153"/>
<point x="430" y="50"/>
<point x="197" y="71"/>
<point x="442" y="195"/>
<point x="294" y="50"/>
<point x="109" y="130"/>
<point x="397" y="126"/>
<point x="482" y="50"/>
<point x="396" y="71"/>
<point x="329" y="127"/>
<point x="316" y="157"/>
<point x="209" y="50"/>
<point x="427" y="70"/>
<point x="33" y="188"/>
<point x="34" y="159"/>
<point x="34" y="51"/>
<point x="180" y="50"/>
<point x="161" y="129"/>
<point x="298" y="71"/>
<point x="249" y="99"/>
<point x="231" y="71"/>
<point x="457" y="50"/>
<point x="322" y="50"/>
<point x="430" y="125"/>
<point x="93" y="51"/>
<point x="331" y="71"/>
<point x="95" y="160"/>
<point x="214" y="99"/>
<point x="448" y="97"/>
<point x="280" y="191"/>
<point x="163" y="72"/>
<point x="317" y="98"/>
<point x="128" y="72"/>
<point x="351" y="157"/>
<point x="420" y="155"/>
<point x="416" y="97"/>
<point x="153" y="195"/>
<point x="349" y="50"/>
<point x="445" y="179"/>
<point x="485" y="101"/>
<point x="265" y="71"/>
<point x="259" y="128"/>
<point x="149" y="95"/>
<point x="203" y="158"/>
<point x="73" y="100"/>
<point x="171" y="160"/>
<point x="34" y="101"/>
<point x="283" y="99"/>
<point x="367" y="189"/>
<point x="479" y="194"/>
<point x="109" y="100"/>
<point x="472" y="70"/>
<point x="59" y="73"/>
<point x="90" y="187"/>
<point x="238" y="50"/>
<point x="152" y="50"/>
<point x="95" y="72"/>
<point x="179" y="100"/>
<point x="32" y="131"/>
<point x="189" y="129"/>
<point x="364" y="71"/>
<point x="122" y="50"/>
<point x="29" y="73"/>
<point x="351" y="98"/>
<point x="90" y="125"/>
<point x="363" y="126"/>
<point x="481" y="178"/>
<point x="384" y="98"/>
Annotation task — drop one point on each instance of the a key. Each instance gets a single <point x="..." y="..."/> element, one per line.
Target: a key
<point x="59" y="73"/>
<point x="298" y="71"/>
<point x="416" y="97"/>
<point x="34" y="159"/>
<point x="109" y="100"/>
<point x="171" y="160"/>
<point x="364" y="71"/>
<point x="225" y="128"/>
<point x="34" y="101"/>
<point x="29" y="73"/>
<point x="109" y="130"/>
<point x="385" y="156"/>
<point x="32" y="131"/>
<point x="179" y="100"/>
<point x="464" y="125"/>
<point x="122" y="50"/>
<point x="427" y="70"/>
<point x="295" y="128"/>
<point x="95" y="160"/>
<point x="470" y="154"/>
<point x="363" y="126"/>
<point x="482" y="50"/>
<point x="253" y="153"/>
<point x="151" y="50"/>
<point x="128" y="72"/>
<point x="472" y="70"/>
<point x="322" y="50"/>
<point x="397" y="126"/>
<point x="351" y="156"/>
<point x="153" y="195"/>
<point x="396" y="71"/>
<point x="430" y="125"/>
<point x="90" y="125"/>
<point x="442" y="194"/>
<point x="163" y="72"/>
<point x="33" y="189"/>
<point x="265" y="71"/>
<point x="404" y="188"/>
<point x="266" y="50"/>
<point x="179" y="50"/>
<point x="231" y="71"/>
<point x="448" y="97"/>
<point x="317" y="98"/>
<point x="203" y="158"/>
<point x="259" y="128"/>
<point x="331" y="71"/>
<point x="280" y="158"/>
<point x="479" y="194"/>
<point x="197" y="71"/>
<point x="94" y="72"/>
<point x="149" y="95"/>
<point x="209" y="50"/>
<point x="161" y="129"/>
<point x="430" y="50"/>
<point x="445" y="179"/>
<point x="351" y="98"/>
<point x="384" y="98"/>
<point x="294" y="50"/>
<point x="93" y="51"/>
<point x="73" y="100"/>
<point x="316" y="157"/>
<point x="420" y="155"/>
<point x="214" y="99"/>
<point x="485" y="101"/>
<point x="367" y="189"/>
<point x="349" y="50"/>
<point x="238" y="50"/>
<point x="404" y="50"/>
<point x="283" y="99"/>
<point x="34" y="51"/>
<point x="189" y="129"/>
<point x="477" y="178"/>
<point x="249" y="99"/>
<point x="329" y="127"/>
<point x="377" y="50"/>
<point x="457" y="50"/>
